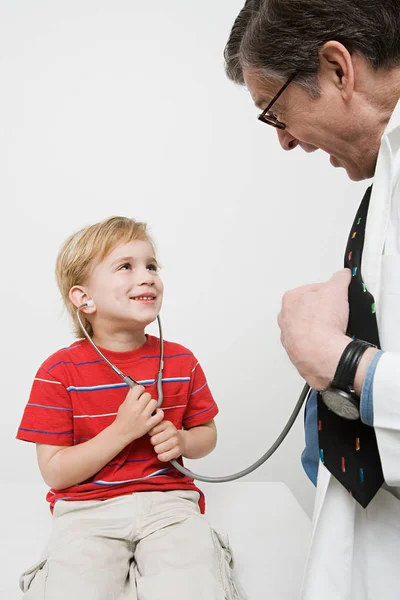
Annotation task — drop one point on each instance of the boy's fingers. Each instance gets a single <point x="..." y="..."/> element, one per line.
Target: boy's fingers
<point x="161" y="445"/>
<point x="158" y="438"/>
<point x="136" y="392"/>
<point x="170" y="455"/>
<point x="144" y="399"/>
<point x="150" y="409"/>
<point x="157" y="429"/>
<point x="157" y="417"/>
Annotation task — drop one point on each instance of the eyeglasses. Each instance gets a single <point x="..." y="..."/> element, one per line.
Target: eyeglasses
<point x="270" y="119"/>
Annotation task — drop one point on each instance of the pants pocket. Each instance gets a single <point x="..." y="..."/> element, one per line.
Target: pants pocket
<point x="231" y="586"/>
<point x="29" y="575"/>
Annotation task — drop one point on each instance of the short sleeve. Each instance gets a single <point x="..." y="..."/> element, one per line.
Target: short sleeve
<point x="201" y="407"/>
<point x="48" y="415"/>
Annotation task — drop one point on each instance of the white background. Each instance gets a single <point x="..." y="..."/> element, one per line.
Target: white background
<point x="123" y="108"/>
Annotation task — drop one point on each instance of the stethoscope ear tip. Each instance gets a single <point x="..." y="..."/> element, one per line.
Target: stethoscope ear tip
<point x="88" y="304"/>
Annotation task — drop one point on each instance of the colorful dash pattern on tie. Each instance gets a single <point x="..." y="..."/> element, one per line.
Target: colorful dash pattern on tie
<point x="348" y="449"/>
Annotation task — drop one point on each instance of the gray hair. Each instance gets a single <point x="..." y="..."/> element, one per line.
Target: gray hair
<point x="280" y="37"/>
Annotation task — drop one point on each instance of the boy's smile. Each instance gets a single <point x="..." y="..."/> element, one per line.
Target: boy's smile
<point x="145" y="298"/>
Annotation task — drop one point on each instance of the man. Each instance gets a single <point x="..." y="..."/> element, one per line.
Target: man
<point x="326" y="75"/>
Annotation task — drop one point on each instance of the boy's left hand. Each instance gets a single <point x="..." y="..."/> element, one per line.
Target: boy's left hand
<point x="168" y="441"/>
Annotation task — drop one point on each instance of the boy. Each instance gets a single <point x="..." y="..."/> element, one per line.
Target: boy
<point x="126" y="524"/>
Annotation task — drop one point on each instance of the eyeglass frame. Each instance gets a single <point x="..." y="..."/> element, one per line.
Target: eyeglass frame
<point x="264" y="117"/>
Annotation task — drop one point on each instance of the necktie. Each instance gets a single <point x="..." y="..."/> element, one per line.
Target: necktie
<point x="348" y="448"/>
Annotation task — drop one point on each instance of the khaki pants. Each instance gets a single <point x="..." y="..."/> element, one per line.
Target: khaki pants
<point x="145" y="546"/>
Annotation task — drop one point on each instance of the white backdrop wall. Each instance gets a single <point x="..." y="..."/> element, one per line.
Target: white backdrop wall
<point x="122" y="107"/>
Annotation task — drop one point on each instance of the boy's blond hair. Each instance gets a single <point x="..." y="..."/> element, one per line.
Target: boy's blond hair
<point x="90" y="246"/>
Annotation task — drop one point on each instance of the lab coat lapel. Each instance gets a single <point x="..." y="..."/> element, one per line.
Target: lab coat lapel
<point x="386" y="174"/>
<point x="377" y="222"/>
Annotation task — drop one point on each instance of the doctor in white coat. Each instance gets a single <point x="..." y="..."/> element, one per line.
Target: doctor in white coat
<point x="326" y="73"/>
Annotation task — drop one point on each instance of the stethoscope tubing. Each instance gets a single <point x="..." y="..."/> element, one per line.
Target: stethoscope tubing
<point x="207" y="479"/>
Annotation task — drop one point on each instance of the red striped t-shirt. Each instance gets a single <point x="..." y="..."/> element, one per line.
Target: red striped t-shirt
<point x="75" y="395"/>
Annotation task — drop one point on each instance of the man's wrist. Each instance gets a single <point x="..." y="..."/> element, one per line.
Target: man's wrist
<point x="333" y="353"/>
<point x="362" y="369"/>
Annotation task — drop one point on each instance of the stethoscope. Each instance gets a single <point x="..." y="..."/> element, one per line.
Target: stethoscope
<point x="131" y="382"/>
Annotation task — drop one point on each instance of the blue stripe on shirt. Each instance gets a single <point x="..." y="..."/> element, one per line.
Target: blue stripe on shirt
<point x="110" y="386"/>
<point x="199" y="413"/>
<point x="46" y="432"/>
<point x="45" y="406"/>
<point x="170" y="356"/>
<point x="92" y="362"/>
<point x="159" y="473"/>
<point x="70" y="362"/>
<point x="199" y="389"/>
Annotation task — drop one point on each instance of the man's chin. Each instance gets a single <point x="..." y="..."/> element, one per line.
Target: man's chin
<point x="308" y="147"/>
<point x="353" y="173"/>
<point x="357" y="175"/>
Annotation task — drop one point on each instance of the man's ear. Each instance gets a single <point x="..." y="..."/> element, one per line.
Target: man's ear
<point x="78" y="296"/>
<point x="336" y="66"/>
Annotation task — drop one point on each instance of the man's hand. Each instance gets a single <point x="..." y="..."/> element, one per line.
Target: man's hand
<point x="167" y="440"/>
<point x="313" y="322"/>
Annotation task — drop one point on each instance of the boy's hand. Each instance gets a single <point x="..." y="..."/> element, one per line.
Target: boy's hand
<point x="168" y="441"/>
<point x="135" y="415"/>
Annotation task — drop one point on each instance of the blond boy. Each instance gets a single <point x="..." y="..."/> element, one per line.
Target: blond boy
<point x="126" y="523"/>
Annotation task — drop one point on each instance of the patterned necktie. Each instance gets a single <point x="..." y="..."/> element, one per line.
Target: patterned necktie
<point x="348" y="448"/>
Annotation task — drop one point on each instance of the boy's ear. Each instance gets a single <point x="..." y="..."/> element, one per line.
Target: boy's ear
<point x="78" y="296"/>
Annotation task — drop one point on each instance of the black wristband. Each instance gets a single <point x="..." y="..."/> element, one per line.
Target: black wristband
<point x="347" y="366"/>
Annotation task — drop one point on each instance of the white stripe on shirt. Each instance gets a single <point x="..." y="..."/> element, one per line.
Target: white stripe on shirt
<point x="48" y="381"/>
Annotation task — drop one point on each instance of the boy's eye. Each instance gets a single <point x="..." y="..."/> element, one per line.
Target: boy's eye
<point x="127" y="265"/>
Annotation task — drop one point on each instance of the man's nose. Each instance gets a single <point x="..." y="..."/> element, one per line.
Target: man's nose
<point x="286" y="140"/>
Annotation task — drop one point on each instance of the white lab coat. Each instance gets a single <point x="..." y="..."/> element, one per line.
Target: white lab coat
<point x="355" y="552"/>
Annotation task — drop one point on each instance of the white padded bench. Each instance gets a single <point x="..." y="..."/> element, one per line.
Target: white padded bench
<point x="268" y="530"/>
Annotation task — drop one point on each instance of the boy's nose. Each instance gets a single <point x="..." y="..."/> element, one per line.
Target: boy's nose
<point x="145" y="277"/>
<point x="286" y="139"/>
